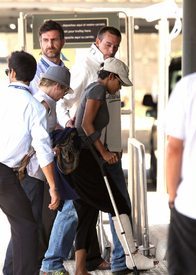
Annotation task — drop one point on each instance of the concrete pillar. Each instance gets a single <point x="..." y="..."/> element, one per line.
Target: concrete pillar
<point x="189" y="37"/>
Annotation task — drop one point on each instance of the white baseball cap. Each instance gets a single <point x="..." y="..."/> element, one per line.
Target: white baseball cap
<point x="118" y="67"/>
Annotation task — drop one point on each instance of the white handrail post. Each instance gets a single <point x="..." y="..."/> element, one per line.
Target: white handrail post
<point x="139" y="203"/>
<point x="21" y="32"/>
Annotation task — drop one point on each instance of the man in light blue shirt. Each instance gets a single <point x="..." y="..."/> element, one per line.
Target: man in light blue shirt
<point x="51" y="37"/>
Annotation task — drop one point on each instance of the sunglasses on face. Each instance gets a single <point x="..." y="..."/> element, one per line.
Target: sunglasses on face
<point x="120" y="81"/>
<point x="66" y="91"/>
<point x="7" y="71"/>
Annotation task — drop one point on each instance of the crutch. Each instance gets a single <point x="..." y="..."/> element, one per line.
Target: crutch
<point x="89" y="141"/>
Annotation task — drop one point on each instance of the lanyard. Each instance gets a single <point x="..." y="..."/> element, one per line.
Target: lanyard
<point x="20" y="87"/>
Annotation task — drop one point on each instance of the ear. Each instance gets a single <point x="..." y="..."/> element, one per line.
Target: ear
<point x="40" y="42"/>
<point x="58" y="86"/>
<point x="97" y="42"/>
<point x="12" y="74"/>
<point x="62" y="43"/>
<point x="111" y="76"/>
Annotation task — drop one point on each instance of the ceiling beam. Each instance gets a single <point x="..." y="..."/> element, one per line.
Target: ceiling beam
<point x="74" y="5"/>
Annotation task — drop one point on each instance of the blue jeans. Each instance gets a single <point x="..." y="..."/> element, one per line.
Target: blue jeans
<point x="34" y="189"/>
<point x="118" y="260"/>
<point x="61" y="238"/>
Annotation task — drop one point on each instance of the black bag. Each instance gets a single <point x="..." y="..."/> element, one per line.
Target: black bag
<point x="69" y="145"/>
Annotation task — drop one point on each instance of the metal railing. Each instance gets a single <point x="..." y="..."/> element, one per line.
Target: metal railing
<point x="136" y="151"/>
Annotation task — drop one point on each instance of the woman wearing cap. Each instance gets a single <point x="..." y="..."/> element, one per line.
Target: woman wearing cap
<point x="92" y="115"/>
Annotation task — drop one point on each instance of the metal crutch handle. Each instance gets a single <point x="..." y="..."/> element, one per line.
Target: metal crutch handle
<point x="89" y="141"/>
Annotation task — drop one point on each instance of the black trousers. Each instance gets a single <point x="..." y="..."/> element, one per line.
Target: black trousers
<point x="181" y="245"/>
<point x="16" y="206"/>
<point x="93" y="257"/>
<point x="94" y="196"/>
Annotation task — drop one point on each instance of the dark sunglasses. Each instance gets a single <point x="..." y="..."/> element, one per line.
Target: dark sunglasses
<point x="120" y="81"/>
<point x="7" y="71"/>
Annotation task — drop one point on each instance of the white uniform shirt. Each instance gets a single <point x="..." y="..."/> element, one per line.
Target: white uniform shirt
<point x="22" y="121"/>
<point x="180" y="122"/>
<point x="82" y="74"/>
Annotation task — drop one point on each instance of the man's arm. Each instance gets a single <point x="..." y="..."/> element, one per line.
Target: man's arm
<point x="55" y="197"/>
<point x="79" y="81"/>
<point x="41" y="143"/>
<point x="174" y="151"/>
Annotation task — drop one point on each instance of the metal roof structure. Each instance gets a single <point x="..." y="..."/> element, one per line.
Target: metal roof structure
<point x="9" y="10"/>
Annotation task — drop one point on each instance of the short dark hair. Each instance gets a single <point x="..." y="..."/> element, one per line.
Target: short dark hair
<point x="51" y="25"/>
<point x="111" y="30"/>
<point x="24" y="65"/>
<point x="103" y="74"/>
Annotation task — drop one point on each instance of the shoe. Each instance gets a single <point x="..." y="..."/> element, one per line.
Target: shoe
<point x="45" y="273"/>
<point x="104" y="266"/>
<point x="127" y="271"/>
<point x="122" y="272"/>
<point x="141" y="262"/>
<point x="58" y="272"/>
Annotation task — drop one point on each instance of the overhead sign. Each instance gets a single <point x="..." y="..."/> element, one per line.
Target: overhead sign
<point x="82" y="30"/>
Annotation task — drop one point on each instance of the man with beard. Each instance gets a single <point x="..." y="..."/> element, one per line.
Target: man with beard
<point x="51" y="37"/>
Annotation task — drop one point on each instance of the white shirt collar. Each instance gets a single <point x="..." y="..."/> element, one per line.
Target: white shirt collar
<point x="50" y="63"/>
<point x="96" y="53"/>
<point x="18" y="83"/>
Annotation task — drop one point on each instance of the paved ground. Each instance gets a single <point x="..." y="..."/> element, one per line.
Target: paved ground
<point x="160" y="269"/>
<point x="158" y="226"/>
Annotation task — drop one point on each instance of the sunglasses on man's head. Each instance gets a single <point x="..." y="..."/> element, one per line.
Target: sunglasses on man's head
<point x="7" y="71"/>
